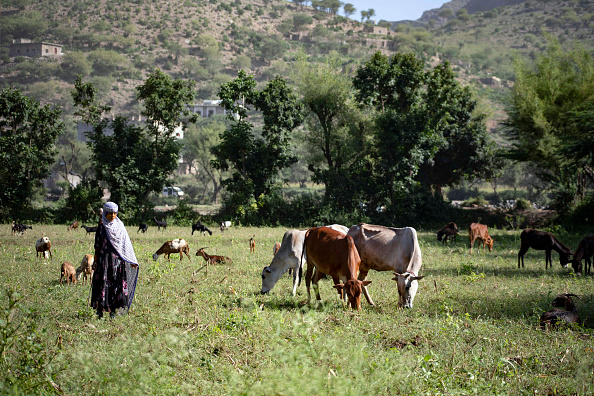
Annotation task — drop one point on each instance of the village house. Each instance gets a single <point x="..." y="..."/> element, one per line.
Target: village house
<point x="24" y="47"/>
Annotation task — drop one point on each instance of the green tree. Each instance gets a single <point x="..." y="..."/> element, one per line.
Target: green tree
<point x="135" y="161"/>
<point x="549" y="117"/>
<point x="28" y="133"/>
<point x="272" y="49"/>
<point x="301" y="20"/>
<point x="349" y="10"/>
<point x="421" y="118"/>
<point x="255" y="161"/>
<point x="73" y="64"/>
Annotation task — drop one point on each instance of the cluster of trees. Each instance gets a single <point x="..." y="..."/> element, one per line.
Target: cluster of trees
<point x="384" y="139"/>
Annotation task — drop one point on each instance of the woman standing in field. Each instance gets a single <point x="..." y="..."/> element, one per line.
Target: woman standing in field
<point x="116" y="267"/>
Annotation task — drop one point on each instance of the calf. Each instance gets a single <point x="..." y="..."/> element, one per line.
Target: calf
<point x="542" y="240"/>
<point x="480" y="232"/>
<point x="333" y="253"/>
<point x="557" y="316"/>
<point x="450" y="231"/>
<point x="176" y="246"/>
<point x="67" y="271"/>
<point x="142" y="227"/>
<point x="86" y="268"/>
<point x="43" y="246"/>
<point x="89" y="229"/>
<point x="584" y="251"/>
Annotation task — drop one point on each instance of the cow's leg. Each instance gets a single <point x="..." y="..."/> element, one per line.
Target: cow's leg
<point x="548" y="259"/>
<point x="521" y="254"/>
<point x="316" y="278"/>
<point x="297" y="276"/>
<point x="363" y="276"/>
<point x="308" y="275"/>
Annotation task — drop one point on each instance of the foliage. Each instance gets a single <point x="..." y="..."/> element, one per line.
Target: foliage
<point x="28" y="132"/>
<point x="479" y="200"/>
<point x="427" y="129"/>
<point x="255" y="161"/>
<point x="25" y="359"/>
<point x="135" y="161"/>
<point x="522" y="204"/>
<point x="550" y="118"/>
<point x="83" y="201"/>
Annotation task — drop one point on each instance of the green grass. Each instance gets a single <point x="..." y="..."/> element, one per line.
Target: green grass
<point x="474" y="326"/>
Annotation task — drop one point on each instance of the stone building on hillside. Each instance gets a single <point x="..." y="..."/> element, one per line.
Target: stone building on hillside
<point x="24" y="47"/>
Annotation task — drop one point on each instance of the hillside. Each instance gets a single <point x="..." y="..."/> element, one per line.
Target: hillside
<point x="116" y="44"/>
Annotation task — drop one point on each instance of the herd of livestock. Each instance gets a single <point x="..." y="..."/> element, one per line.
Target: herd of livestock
<point x="348" y="254"/>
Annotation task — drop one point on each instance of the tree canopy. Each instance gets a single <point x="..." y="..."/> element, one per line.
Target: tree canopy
<point x="28" y="133"/>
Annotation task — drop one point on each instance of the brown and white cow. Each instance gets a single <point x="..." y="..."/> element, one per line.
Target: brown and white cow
<point x="333" y="253"/>
<point x="289" y="257"/>
<point x="480" y="232"/>
<point x="390" y="249"/>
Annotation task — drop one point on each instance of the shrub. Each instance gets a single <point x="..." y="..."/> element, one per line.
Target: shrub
<point x="479" y="200"/>
<point x="522" y="204"/>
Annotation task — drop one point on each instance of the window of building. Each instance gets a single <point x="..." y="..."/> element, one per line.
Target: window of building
<point x="210" y="112"/>
<point x="46" y="51"/>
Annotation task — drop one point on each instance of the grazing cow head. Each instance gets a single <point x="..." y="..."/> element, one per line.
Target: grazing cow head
<point x="155" y="256"/>
<point x="489" y="241"/>
<point x="407" y="288"/>
<point x="353" y="288"/>
<point x="564" y="259"/>
<point x="439" y="236"/>
<point x="269" y="278"/>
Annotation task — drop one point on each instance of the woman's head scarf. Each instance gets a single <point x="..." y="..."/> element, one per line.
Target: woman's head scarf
<point x="116" y="232"/>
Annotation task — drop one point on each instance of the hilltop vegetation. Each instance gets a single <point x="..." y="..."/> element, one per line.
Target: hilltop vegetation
<point x="117" y="44"/>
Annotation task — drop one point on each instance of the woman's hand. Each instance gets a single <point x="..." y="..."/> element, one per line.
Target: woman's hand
<point x="134" y="265"/>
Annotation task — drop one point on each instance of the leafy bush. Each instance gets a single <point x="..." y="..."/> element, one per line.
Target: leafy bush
<point x="25" y="363"/>
<point x="478" y="201"/>
<point x="522" y="204"/>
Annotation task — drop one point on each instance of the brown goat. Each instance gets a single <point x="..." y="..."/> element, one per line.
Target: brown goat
<point x="73" y="226"/>
<point x="68" y="272"/>
<point x="556" y="316"/>
<point x="213" y="259"/>
<point x="86" y="268"/>
<point x="252" y="244"/>
<point x="43" y="246"/>
<point x="176" y="246"/>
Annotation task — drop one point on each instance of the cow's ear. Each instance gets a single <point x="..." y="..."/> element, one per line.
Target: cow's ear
<point x="418" y="277"/>
<point x="267" y="270"/>
<point x="365" y="283"/>
<point x="340" y="286"/>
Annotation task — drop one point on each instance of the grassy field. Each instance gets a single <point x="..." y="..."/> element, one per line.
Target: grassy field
<point x="474" y="327"/>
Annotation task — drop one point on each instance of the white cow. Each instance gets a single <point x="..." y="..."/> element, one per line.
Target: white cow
<point x="390" y="249"/>
<point x="289" y="257"/>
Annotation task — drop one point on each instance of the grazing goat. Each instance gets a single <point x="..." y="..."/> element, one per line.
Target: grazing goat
<point x="225" y="225"/>
<point x="142" y="227"/>
<point x="89" y="229"/>
<point x="276" y="248"/>
<point x="213" y="259"/>
<point x="67" y="272"/>
<point x="43" y="246"/>
<point x="160" y="224"/>
<point x="19" y="228"/>
<point x="542" y="240"/>
<point x="252" y="244"/>
<point x="450" y="231"/>
<point x="176" y="246"/>
<point x="200" y="228"/>
<point x="584" y="251"/>
<point x="73" y="226"/>
<point x="86" y="268"/>
<point x="556" y="316"/>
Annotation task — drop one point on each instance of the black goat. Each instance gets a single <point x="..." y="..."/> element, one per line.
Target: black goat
<point x="89" y="229"/>
<point x="542" y="240"/>
<point x="19" y="228"/>
<point x="584" y="251"/>
<point x="557" y="316"/>
<point x="200" y="228"/>
<point x="160" y="224"/>
<point x="450" y="231"/>
<point x="142" y="227"/>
